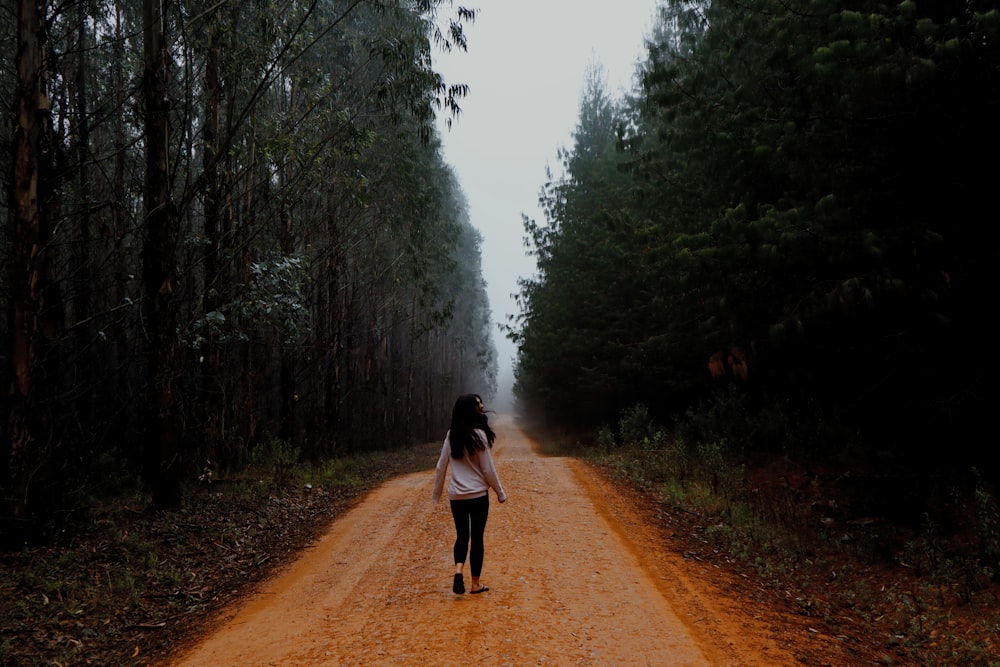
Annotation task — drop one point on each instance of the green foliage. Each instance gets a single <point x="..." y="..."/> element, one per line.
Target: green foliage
<point x="323" y="248"/>
<point x="776" y="531"/>
<point x="580" y="334"/>
<point x="343" y="472"/>
<point x="801" y="185"/>
<point x="636" y="425"/>
<point x="695" y="473"/>
<point x="606" y="439"/>
<point x="987" y="525"/>
<point x="275" y="296"/>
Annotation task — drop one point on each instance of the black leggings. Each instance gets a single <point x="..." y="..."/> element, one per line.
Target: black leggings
<point x="470" y="522"/>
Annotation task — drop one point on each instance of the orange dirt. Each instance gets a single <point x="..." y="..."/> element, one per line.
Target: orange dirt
<point x="575" y="577"/>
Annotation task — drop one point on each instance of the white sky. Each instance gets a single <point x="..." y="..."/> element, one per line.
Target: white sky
<point x="526" y="67"/>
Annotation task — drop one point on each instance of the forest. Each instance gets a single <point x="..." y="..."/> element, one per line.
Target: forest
<point x="231" y="242"/>
<point x="764" y="298"/>
<point x="229" y="231"/>
<point x="786" y="237"/>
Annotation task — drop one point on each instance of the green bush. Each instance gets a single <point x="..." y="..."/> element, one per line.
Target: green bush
<point x="606" y="439"/>
<point x="635" y="424"/>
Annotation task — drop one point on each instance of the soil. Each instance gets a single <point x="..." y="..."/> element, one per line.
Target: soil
<point x="580" y="572"/>
<point x="583" y="568"/>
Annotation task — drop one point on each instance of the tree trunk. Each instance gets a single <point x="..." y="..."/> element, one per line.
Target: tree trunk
<point x="122" y="255"/>
<point x="370" y="408"/>
<point x="288" y="389"/>
<point x="411" y="364"/>
<point x="288" y="386"/>
<point x="26" y="419"/>
<point x="334" y="328"/>
<point x="158" y="272"/>
<point x="214" y="396"/>
<point x="248" y="412"/>
<point x="88" y="402"/>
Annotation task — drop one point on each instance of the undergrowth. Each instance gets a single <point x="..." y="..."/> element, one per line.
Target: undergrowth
<point x="125" y="585"/>
<point x="775" y="492"/>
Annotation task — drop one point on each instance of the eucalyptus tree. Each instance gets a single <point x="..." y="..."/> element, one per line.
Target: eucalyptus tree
<point x="159" y="265"/>
<point x="467" y="345"/>
<point x="32" y="302"/>
<point x="323" y="90"/>
<point x="452" y="350"/>
<point x="380" y="207"/>
<point x="226" y="190"/>
<point x="88" y="188"/>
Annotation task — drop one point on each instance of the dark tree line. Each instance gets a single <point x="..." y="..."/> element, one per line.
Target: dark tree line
<point x="228" y="224"/>
<point x="796" y="199"/>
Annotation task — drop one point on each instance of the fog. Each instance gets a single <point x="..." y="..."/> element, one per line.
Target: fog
<point x="526" y="66"/>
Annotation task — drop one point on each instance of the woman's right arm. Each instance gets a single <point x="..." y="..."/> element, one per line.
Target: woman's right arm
<point x="441" y="470"/>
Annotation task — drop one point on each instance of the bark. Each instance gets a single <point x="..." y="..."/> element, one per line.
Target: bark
<point x="288" y="386"/>
<point x="286" y="374"/>
<point x="122" y="256"/>
<point x="26" y="418"/>
<point x="334" y="327"/>
<point x="248" y="412"/>
<point x="411" y="362"/>
<point x="88" y="402"/>
<point x="158" y="272"/>
<point x="212" y="381"/>
<point x="368" y="409"/>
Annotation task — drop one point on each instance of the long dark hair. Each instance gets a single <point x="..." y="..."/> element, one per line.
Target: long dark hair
<point x="466" y="418"/>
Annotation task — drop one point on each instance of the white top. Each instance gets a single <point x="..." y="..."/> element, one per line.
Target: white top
<point x="471" y="476"/>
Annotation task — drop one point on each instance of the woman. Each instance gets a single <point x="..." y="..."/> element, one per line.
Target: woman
<point x="467" y="448"/>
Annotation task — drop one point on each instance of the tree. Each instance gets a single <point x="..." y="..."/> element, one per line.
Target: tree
<point x="579" y="314"/>
<point x="243" y="233"/>
<point x="802" y="195"/>
<point x="159" y="266"/>
<point x="33" y="302"/>
<point x="824" y="215"/>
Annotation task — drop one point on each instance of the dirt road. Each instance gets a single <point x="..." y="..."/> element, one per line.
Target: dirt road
<point x="573" y="578"/>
